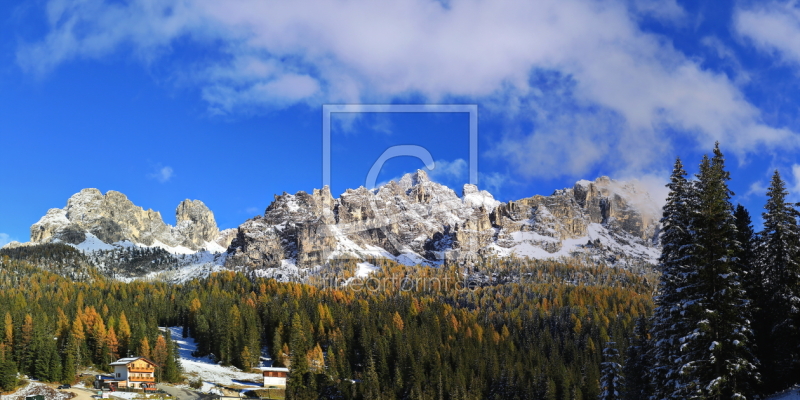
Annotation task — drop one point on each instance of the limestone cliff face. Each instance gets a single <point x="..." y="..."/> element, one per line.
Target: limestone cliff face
<point x="416" y="220"/>
<point x="195" y="224"/>
<point x="113" y="217"/>
<point x="413" y="221"/>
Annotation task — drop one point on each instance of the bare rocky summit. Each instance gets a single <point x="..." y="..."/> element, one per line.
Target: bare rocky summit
<point x="417" y="220"/>
<point x="413" y="221"/>
<point x="114" y="218"/>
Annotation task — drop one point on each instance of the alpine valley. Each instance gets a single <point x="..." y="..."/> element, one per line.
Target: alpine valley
<point x="414" y="221"/>
<point x="412" y="291"/>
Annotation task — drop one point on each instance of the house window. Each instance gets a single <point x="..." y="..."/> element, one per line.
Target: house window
<point x="117" y="374"/>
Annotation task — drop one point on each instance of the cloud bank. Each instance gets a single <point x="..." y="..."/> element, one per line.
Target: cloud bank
<point x="595" y="88"/>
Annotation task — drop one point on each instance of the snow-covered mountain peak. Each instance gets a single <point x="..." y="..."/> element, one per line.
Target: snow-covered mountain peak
<point x="423" y="221"/>
<point x="478" y="198"/>
<point x="413" y="179"/>
<point x="413" y="221"/>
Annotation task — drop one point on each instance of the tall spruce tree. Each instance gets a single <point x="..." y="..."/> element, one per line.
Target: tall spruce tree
<point x="779" y="249"/>
<point x="749" y="273"/>
<point x="637" y="384"/>
<point x="717" y="362"/>
<point x="611" y="379"/>
<point x="668" y="322"/>
<point x="8" y="369"/>
<point x="745" y="235"/>
<point x="172" y="365"/>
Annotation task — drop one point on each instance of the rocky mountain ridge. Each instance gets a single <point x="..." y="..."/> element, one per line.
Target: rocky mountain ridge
<point x="417" y="220"/>
<point x="412" y="221"/>
<point x="113" y="218"/>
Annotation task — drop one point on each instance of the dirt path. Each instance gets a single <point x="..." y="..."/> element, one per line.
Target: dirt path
<point x="81" y="394"/>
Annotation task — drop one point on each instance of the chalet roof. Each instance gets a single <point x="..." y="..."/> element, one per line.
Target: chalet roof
<point x="128" y="360"/>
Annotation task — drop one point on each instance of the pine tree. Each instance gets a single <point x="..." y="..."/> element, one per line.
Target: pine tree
<point x="71" y="357"/>
<point x="24" y="344"/>
<point x="668" y="322"/>
<point x="637" y="384"/>
<point x="716" y="357"/>
<point x="779" y="252"/>
<point x="611" y="380"/>
<point x="746" y="236"/>
<point x="277" y="344"/>
<point x="8" y="369"/>
<point x="8" y="324"/>
<point x="371" y="381"/>
<point x="172" y="366"/>
<point x="747" y="267"/>
<point x="299" y="385"/>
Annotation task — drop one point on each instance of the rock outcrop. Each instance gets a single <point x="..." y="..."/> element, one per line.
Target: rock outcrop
<point x="416" y="220"/>
<point x="114" y="218"/>
<point x="413" y="221"/>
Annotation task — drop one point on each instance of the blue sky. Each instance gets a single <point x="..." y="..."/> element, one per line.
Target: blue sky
<point x="222" y="101"/>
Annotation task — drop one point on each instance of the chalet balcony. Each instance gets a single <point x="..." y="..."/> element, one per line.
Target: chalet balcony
<point x="142" y="378"/>
<point x="142" y="370"/>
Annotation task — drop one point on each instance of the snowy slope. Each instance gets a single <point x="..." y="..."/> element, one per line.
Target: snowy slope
<point x="36" y="388"/>
<point x="791" y="394"/>
<point x="207" y="370"/>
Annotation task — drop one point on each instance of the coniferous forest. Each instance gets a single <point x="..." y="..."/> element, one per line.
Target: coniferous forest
<point x="717" y="318"/>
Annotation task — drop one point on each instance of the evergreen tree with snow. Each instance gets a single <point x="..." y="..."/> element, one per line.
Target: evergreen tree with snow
<point x="611" y="379"/>
<point x="637" y="382"/>
<point x="668" y="322"/>
<point x="744" y="232"/>
<point x="717" y="361"/>
<point x="748" y="270"/>
<point x="779" y="250"/>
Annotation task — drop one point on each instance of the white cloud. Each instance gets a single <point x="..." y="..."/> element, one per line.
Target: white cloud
<point x="5" y="239"/>
<point x="728" y="57"/>
<point x="449" y="171"/>
<point x="163" y="174"/>
<point x="791" y="180"/>
<point x="654" y="184"/>
<point x="664" y="10"/>
<point x="773" y="27"/>
<point x="493" y="182"/>
<point x="629" y="90"/>
<point x="758" y="188"/>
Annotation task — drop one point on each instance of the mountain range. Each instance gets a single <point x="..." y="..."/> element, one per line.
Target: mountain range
<point x="411" y="221"/>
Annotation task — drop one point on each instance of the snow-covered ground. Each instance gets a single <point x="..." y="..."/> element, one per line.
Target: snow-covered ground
<point x="791" y="394"/>
<point x="36" y="388"/>
<point x="211" y="373"/>
<point x="365" y="268"/>
<point x="125" y="395"/>
<point x="198" y="265"/>
<point x="528" y="244"/>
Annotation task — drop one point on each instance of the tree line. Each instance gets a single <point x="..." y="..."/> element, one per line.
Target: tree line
<point x="508" y="338"/>
<point x="726" y="320"/>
